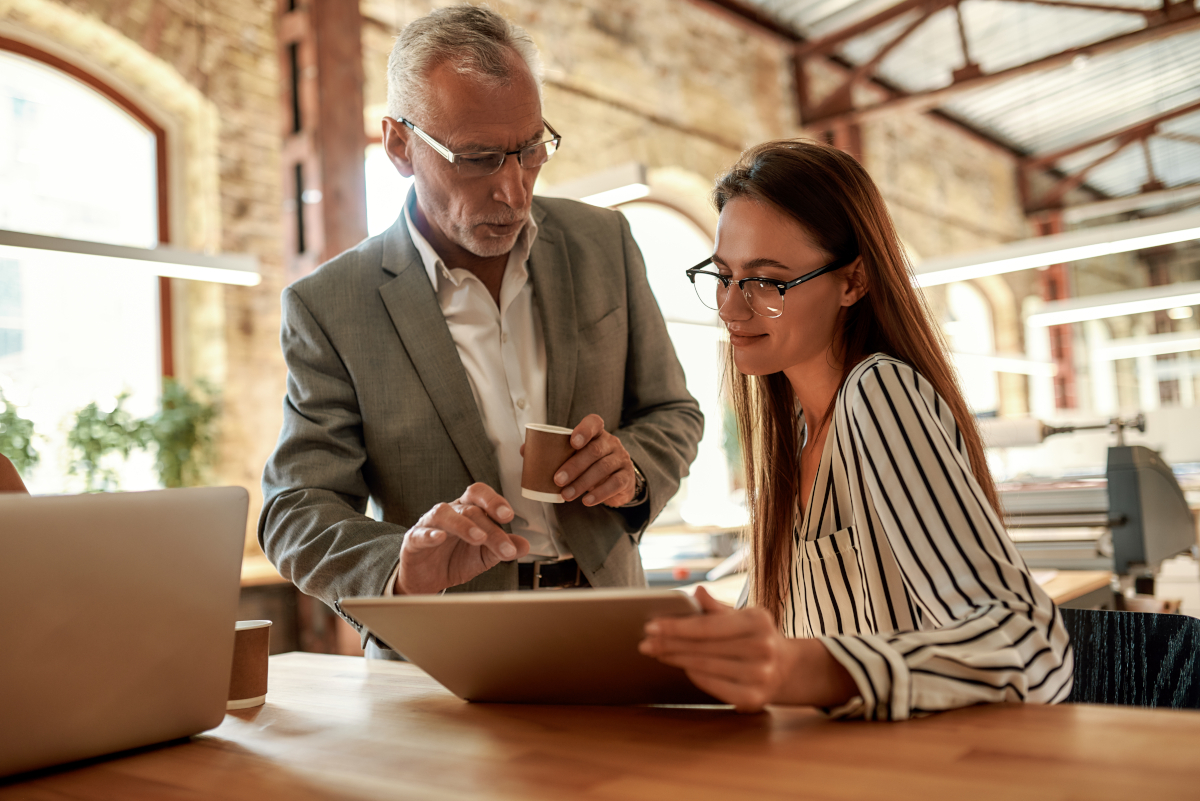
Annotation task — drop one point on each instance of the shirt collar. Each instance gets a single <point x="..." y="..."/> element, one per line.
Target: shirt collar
<point x="434" y="266"/>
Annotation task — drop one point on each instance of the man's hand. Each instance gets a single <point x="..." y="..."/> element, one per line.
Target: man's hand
<point x="454" y="542"/>
<point x="601" y="470"/>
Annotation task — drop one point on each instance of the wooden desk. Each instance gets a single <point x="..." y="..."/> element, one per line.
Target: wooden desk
<point x="345" y="727"/>
<point x="1066" y="587"/>
<point x="1070" y="587"/>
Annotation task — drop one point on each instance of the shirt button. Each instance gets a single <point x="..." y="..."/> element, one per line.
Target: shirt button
<point x="520" y="403"/>
<point x="504" y="337"/>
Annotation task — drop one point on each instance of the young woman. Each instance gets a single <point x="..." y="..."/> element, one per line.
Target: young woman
<point x="883" y="584"/>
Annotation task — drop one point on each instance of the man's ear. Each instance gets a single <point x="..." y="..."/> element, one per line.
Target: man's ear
<point x="856" y="282"/>
<point x="397" y="142"/>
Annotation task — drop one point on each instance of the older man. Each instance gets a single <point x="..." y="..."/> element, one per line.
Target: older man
<point x="416" y="359"/>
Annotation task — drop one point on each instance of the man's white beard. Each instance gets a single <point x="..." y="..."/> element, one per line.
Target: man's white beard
<point x="487" y="247"/>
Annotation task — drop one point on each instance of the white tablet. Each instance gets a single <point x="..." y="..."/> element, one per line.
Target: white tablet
<point x="541" y="647"/>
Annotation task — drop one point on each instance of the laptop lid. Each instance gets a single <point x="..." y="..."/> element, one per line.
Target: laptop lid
<point x="117" y="613"/>
<point x="544" y="647"/>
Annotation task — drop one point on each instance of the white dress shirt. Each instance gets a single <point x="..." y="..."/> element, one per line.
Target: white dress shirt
<point x="504" y="354"/>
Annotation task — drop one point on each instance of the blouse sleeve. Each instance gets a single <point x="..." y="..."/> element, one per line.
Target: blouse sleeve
<point x="996" y="635"/>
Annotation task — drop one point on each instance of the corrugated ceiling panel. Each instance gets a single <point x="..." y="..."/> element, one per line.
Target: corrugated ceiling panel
<point x="1044" y="111"/>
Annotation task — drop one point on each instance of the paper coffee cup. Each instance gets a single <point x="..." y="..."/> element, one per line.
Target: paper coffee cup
<point x="248" y="679"/>
<point x="546" y="448"/>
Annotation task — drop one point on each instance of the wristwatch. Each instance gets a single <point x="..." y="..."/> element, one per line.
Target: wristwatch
<point x="639" y="489"/>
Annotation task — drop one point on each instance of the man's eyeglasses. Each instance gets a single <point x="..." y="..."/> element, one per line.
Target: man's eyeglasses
<point x="489" y="162"/>
<point x="764" y="296"/>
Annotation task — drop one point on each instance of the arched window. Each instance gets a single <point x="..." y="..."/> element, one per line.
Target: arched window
<point x="969" y="333"/>
<point x="670" y="243"/>
<point x="386" y="190"/>
<point x="76" y="164"/>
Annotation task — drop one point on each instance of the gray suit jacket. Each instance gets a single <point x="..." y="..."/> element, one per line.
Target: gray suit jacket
<point x="379" y="406"/>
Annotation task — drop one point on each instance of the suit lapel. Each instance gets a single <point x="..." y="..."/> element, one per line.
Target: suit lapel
<point x="413" y="307"/>
<point x="550" y="271"/>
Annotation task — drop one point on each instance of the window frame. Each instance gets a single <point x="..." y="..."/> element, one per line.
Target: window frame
<point x="74" y="71"/>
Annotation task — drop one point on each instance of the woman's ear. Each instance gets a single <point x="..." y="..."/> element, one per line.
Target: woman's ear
<point x="855" y="285"/>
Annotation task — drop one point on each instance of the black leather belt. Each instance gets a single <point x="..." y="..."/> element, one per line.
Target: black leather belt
<point x="546" y="575"/>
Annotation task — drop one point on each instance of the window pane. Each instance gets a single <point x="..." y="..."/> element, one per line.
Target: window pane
<point x="74" y="165"/>
<point x="386" y="191"/>
<point x="670" y="243"/>
<point x="969" y="333"/>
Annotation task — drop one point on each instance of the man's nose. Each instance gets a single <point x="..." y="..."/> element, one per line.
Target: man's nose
<point x="508" y="184"/>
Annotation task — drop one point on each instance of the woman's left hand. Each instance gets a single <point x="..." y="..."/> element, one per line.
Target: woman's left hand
<point x="736" y="655"/>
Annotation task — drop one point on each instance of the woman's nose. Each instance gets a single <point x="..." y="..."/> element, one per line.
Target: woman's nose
<point x="735" y="306"/>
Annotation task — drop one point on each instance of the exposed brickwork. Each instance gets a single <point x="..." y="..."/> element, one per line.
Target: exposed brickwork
<point x="668" y="83"/>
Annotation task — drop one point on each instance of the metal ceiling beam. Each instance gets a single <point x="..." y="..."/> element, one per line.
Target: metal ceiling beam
<point x="825" y="44"/>
<point x="1179" y="137"/>
<point x="754" y="16"/>
<point x="1187" y="193"/>
<point x="1138" y="132"/>
<point x="1148" y="13"/>
<point x="842" y="98"/>
<point x="1182" y="18"/>
<point x="829" y="42"/>
<point x="1133" y="130"/>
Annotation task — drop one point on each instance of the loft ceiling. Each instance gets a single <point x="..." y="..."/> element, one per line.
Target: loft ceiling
<point x="1110" y="97"/>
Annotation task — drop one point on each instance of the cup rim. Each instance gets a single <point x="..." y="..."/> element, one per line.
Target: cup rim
<point x="243" y="625"/>
<point x="549" y="429"/>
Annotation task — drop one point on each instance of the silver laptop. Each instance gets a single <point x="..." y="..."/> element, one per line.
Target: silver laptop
<point x="116" y="619"/>
<point x="544" y="647"/>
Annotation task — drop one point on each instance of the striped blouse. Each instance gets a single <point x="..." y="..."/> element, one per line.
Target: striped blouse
<point x="904" y="570"/>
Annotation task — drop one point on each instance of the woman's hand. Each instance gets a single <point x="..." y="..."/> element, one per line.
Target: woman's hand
<point x="736" y="655"/>
<point x="740" y="657"/>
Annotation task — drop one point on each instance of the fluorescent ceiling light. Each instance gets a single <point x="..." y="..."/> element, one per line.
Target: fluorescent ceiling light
<point x="1153" y="345"/>
<point x="1059" y="248"/>
<point x="612" y="187"/>
<point x="165" y="261"/>
<point x="1007" y="364"/>
<point x="1117" y="304"/>
<point x="617" y="196"/>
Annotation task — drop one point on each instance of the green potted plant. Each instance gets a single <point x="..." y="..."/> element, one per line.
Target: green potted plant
<point x="96" y="434"/>
<point x="16" y="437"/>
<point x="182" y="432"/>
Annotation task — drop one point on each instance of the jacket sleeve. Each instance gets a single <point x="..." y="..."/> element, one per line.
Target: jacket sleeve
<point x="313" y="525"/>
<point x="995" y="634"/>
<point x="661" y="424"/>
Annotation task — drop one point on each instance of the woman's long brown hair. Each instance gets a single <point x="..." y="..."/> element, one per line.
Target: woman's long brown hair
<point x="840" y="209"/>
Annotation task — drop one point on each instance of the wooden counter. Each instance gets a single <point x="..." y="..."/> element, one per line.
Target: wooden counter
<point x="257" y="571"/>
<point x="344" y="727"/>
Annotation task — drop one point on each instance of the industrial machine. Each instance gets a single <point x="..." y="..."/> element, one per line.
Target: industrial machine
<point x="1127" y="521"/>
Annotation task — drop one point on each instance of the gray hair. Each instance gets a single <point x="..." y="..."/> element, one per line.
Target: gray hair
<point x="475" y="39"/>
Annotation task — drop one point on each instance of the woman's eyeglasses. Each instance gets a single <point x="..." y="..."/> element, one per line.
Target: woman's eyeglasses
<point x="764" y="296"/>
